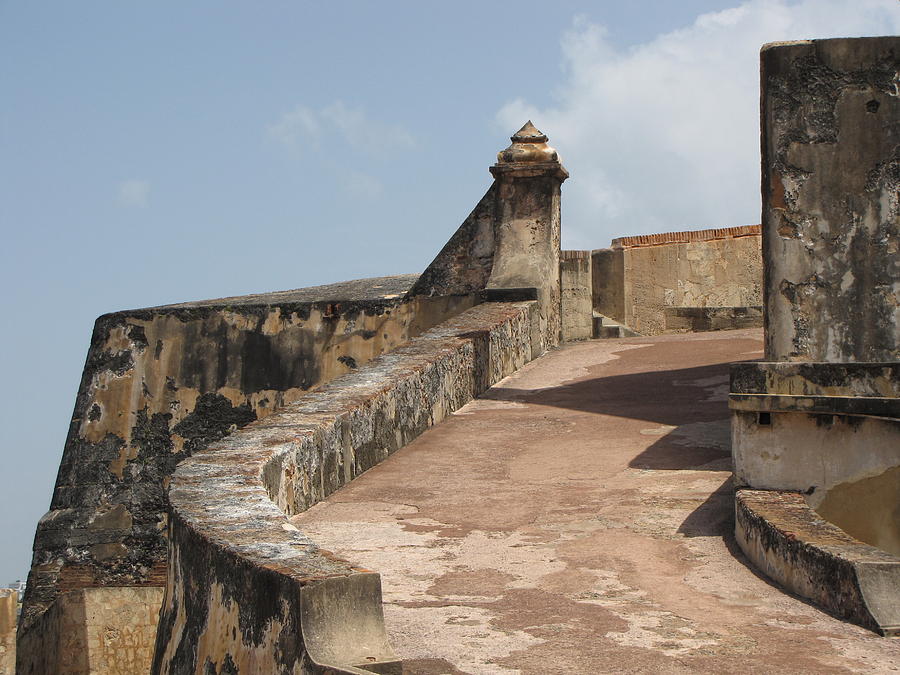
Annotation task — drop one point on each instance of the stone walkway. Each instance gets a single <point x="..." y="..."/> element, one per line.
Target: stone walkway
<point x="577" y="519"/>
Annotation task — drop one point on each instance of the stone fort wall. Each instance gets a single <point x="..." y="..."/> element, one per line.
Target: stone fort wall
<point x="8" y="602"/>
<point x="162" y="384"/>
<point x="246" y="589"/>
<point x="681" y="281"/>
<point x="268" y="403"/>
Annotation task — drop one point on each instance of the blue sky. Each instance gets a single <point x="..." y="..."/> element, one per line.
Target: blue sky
<point x="167" y="151"/>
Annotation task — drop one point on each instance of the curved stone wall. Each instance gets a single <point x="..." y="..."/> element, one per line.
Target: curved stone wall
<point x="790" y="543"/>
<point x="247" y="592"/>
<point x="161" y="383"/>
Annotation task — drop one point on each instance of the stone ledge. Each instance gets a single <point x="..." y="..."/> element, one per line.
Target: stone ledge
<point x="857" y="406"/>
<point x="241" y="578"/>
<point x="816" y="378"/>
<point x="790" y="543"/>
<point x="697" y="319"/>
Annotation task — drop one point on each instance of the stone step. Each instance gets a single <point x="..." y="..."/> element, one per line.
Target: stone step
<point x="604" y="327"/>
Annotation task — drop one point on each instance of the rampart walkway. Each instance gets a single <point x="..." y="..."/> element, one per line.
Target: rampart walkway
<point x="577" y="519"/>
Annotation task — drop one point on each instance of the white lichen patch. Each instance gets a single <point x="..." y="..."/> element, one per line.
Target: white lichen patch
<point x="462" y="635"/>
<point x="661" y="631"/>
<point x="452" y="623"/>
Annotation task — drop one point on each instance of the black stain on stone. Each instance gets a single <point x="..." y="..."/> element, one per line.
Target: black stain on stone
<point x="213" y="418"/>
<point x="170" y="384"/>
<point x="94" y="413"/>
<point x="259" y="595"/>
<point x="228" y="666"/>
<point x="348" y="361"/>
<point x="280" y="362"/>
<point x="367" y="334"/>
<point x="872" y="106"/>
<point x="158" y="351"/>
<point x="137" y="336"/>
<point x="117" y="362"/>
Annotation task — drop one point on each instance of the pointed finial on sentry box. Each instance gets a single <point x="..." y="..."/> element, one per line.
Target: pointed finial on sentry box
<point x="529" y="145"/>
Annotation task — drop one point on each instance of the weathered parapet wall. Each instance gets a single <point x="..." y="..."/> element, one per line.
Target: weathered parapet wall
<point x="831" y="199"/>
<point x="246" y="591"/>
<point x="94" y="631"/>
<point x="8" y="601"/>
<point x="813" y="427"/>
<point x="647" y="282"/>
<point x="509" y="246"/>
<point x="575" y="295"/>
<point x="793" y="545"/>
<point x="164" y="382"/>
<point x="821" y="414"/>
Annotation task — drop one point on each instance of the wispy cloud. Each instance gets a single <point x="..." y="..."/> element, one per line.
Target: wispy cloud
<point x="135" y="193"/>
<point x="298" y="125"/>
<point x="665" y="135"/>
<point x="305" y="126"/>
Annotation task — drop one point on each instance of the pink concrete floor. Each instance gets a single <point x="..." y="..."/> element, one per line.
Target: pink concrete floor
<point x="578" y="519"/>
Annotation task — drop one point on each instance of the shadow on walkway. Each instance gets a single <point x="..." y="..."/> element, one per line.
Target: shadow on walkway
<point x="685" y="399"/>
<point x="670" y="397"/>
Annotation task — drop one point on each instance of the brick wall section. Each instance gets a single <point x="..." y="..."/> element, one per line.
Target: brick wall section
<point x="244" y="585"/>
<point x="688" y="236"/>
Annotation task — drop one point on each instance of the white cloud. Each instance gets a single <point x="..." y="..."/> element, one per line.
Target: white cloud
<point x="305" y="126"/>
<point x="295" y="126"/>
<point x="665" y="135"/>
<point x="134" y="193"/>
<point x="363" y="133"/>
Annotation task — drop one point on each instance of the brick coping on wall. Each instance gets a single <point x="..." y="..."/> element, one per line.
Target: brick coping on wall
<point x="686" y="237"/>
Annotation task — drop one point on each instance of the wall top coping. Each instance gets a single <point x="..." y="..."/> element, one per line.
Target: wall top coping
<point x="664" y="238"/>
<point x="375" y="291"/>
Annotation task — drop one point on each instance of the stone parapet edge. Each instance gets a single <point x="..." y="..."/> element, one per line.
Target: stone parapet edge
<point x="817" y="378"/>
<point x="230" y="502"/>
<point x="790" y="543"/>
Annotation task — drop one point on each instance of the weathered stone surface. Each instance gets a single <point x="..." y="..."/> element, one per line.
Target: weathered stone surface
<point x="8" y="602"/>
<point x="831" y="199"/>
<point x="788" y="541"/>
<point x="699" y="319"/>
<point x="464" y="265"/>
<point x="245" y="587"/>
<point x="659" y="283"/>
<point x="511" y="240"/>
<point x="94" y="631"/>
<point x="576" y="307"/>
<point x="821" y="415"/>
<point x="578" y="518"/>
<point x="162" y="383"/>
<point x="860" y="380"/>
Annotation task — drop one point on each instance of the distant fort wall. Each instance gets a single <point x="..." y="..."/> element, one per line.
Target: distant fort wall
<point x="8" y="603"/>
<point x="681" y="281"/>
